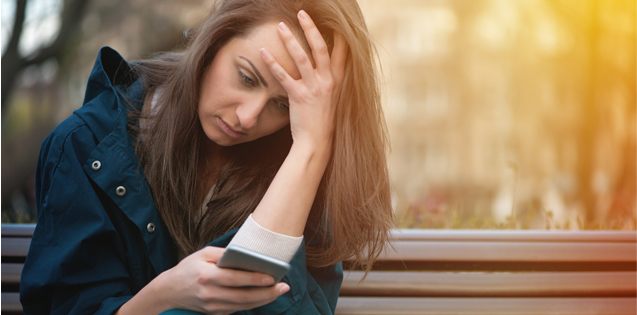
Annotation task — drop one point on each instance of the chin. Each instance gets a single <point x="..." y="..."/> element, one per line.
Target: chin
<point x="228" y="143"/>
<point x="218" y="138"/>
<point x="224" y="140"/>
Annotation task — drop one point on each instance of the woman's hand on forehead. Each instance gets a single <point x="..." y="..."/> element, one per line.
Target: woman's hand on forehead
<point x="313" y="98"/>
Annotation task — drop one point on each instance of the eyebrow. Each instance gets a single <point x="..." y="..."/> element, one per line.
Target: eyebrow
<point x="256" y="71"/>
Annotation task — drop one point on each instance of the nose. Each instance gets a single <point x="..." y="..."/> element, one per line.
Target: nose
<point x="249" y="111"/>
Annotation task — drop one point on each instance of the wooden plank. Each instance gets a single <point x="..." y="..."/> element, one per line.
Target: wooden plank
<point x="475" y="284"/>
<point x="510" y="251"/>
<point x="465" y="251"/>
<point x="12" y="229"/>
<point x="15" y="247"/>
<point x="515" y="235"/>
<point x="11" y="273"/>
<point x="11" y="302"/>
<point x="9" y="229"/>
<point x="485" y="306"/>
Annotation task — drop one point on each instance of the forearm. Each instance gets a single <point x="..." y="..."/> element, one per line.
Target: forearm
<point x="287" y="202"/>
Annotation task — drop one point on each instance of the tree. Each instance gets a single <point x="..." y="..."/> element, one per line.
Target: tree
<point x="13" y="63"/>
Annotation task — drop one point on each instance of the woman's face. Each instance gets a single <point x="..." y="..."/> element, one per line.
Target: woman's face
<point x="240" y="100"/>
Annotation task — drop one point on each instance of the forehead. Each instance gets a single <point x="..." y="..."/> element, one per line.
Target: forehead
<point x="264" y="36"/>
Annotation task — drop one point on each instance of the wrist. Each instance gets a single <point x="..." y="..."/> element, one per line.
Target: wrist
<point x="311" y="159"/>
<point x="151" y="299"/>
<point x="162" y="291"/>
<point x="319" y="151"/>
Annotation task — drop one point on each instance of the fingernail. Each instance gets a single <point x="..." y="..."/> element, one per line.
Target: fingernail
<point x="302" y="14"/>
<point x="265" y="53"/>
<point x="283" y="27"/>
<point x="284" y="289"/>
<point x="268" y="280"/>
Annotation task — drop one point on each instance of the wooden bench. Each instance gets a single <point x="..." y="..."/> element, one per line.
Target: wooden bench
<point x="460" y="272"/>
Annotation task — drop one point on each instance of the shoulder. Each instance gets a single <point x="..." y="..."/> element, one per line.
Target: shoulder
<point x="60" y="164"/>
<point x="102" y="120"/>
<point x="75" y="138"/>
<point x="103" y="113"/>
<point x="70" y="139"/>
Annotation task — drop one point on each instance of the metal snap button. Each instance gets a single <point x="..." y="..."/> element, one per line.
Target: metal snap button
<point x="96" y="165"/>
<point x="120" y="191"/>
<point x="150" y="228"/>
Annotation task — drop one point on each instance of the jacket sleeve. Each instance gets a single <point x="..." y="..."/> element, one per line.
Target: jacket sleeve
<point x="312" y="290"/>
<point x="76" y="262"/>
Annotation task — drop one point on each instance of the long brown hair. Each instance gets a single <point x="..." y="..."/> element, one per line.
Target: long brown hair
<point x="351" y="215"/>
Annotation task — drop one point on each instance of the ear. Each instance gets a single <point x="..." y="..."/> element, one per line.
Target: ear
<point x="338" y="59"/>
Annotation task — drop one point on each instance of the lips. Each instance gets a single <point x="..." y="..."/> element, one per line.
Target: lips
<point x="228" y="130"/>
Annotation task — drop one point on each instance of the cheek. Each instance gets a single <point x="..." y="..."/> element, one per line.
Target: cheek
<point x="216" y="88"/>
<point x="214" y="98"/>
<point x="206" y="94"/>
<point x="273" y="125"/>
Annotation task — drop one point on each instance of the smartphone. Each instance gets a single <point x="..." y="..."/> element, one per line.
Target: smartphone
<point x="240" y="258"/>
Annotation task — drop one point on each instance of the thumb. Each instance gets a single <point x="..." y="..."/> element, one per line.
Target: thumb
<point x="211" y="254"/>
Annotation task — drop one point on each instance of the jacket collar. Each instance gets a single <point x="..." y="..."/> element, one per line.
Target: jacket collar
<point x="112" y="83"/>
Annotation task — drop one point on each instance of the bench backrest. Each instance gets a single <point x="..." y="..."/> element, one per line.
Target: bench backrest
<point x="460" y="272"/>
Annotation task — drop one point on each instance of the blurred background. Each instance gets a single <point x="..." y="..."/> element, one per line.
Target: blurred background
<point x="502" y="114"/>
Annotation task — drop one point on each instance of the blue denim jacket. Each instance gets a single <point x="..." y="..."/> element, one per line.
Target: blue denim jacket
<point x="99" y="238"/>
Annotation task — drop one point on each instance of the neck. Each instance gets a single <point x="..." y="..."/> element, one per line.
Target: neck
<point x="211" y="159"/>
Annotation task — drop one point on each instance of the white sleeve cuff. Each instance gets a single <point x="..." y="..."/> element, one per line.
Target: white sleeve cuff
<point x="254" y="237"/>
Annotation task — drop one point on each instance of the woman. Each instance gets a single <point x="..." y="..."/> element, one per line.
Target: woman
<point x="269" y="121"/>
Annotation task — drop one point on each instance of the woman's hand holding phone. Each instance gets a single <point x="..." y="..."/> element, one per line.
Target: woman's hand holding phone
<point x="206" y="288"/>
<point x="197" y="284"/>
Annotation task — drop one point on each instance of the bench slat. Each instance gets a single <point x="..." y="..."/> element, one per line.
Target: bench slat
<point x="11" y="302"/>
<point x="11" y="273"/>
<point x="10" y="229"/>
<point x="514" y="235"/>
<point x="15" y="247"/>
<point x="452" y="284"/>
<point x="465" y="251"/>
<point x="485" y="306"/>
<point x="15" y="229"/>
<point x="510" y="251"/>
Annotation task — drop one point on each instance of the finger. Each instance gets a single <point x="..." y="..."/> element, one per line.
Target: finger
<point x="239" y="278"/>
<point x="316" y="41"/>
<point x="223" y="308"/>
<point x="339" y="57"/>
<point x="297" y="52"/>
<point x="252" y="294"/>
<point x="277" y="71"/>
<point x="250" y="299"/>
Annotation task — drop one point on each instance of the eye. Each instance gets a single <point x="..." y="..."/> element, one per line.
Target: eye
<point x="246" y="79"/>
<point x="282" y="105"/>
